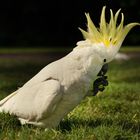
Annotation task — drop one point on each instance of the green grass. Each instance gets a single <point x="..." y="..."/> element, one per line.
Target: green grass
<point x="130" y="49"/>
<point x="13" y="50"/>
<point x="111" y="115"/>
<point x="31" y="50"/>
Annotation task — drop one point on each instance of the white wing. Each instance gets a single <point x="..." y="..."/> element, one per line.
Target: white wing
<point x="35" y="102"/>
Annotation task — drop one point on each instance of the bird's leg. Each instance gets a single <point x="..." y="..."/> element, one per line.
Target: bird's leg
<point x="101" y="82"/>
<point x="103" y="70"/>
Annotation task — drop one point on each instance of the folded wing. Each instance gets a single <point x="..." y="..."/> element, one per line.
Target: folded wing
<point x="34" y="102"/>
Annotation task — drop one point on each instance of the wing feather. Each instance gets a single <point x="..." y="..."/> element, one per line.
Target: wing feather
<point x="36" y="102"/>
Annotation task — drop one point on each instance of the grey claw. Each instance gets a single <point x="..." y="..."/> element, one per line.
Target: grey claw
<point x="103" y="70"/>
<point x="101" y="82"/>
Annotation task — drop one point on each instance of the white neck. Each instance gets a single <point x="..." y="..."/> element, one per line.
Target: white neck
<point x="91" y="61"/>
<point x="104" y="52"/>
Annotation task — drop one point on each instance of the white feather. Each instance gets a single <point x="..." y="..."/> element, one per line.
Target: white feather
<point x="60" y="86"/>
<point x="55" y="90"/>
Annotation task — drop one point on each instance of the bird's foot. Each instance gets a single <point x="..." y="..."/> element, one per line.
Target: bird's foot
<point x="101" y="82"/>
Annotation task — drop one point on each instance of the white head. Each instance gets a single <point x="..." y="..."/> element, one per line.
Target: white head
<point x="107" y="39"/>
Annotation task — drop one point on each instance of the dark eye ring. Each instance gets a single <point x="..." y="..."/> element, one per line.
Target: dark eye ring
<point x="104" y="60"/>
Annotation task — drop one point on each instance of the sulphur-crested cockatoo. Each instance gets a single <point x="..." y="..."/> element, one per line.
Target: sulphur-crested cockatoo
<point x="60" y="86"/>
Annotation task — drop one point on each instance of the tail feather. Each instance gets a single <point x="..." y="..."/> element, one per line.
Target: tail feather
<point x="7" y="98"/>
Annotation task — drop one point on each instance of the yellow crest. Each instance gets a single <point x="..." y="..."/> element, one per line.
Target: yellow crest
<point x="108" y="33"/>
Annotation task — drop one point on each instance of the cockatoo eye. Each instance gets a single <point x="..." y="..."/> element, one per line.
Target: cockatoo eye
<point x="104" y="60"/>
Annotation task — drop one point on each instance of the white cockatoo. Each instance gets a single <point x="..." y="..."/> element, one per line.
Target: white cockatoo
<point x="60" y="86"/>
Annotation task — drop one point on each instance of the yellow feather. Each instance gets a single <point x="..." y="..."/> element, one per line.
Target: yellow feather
<point x="112" y="27"/>
<point x="126" y="29"/>
<point x="93" y="32"/>
<point x="84" y="33"/>
<point x="108" y="33"/>
<point x="103" y="22"/>
<point x="116" y="15"/>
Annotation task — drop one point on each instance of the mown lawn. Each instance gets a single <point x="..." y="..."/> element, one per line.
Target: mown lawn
<point x="111" y="115"/>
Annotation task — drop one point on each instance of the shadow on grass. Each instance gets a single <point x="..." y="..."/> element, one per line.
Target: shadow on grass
<point x="67" y="125"/>
<point x="8" y="122"/>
